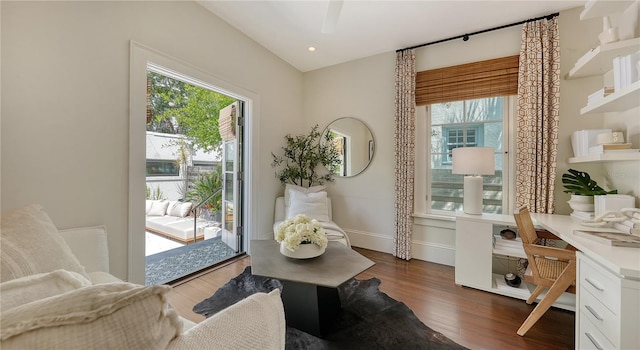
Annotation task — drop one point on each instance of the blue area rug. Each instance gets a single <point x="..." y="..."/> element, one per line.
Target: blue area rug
<point x="168" y="266"/>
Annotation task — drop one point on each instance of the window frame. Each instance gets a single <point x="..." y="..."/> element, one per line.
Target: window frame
<point x="422" y="189"/>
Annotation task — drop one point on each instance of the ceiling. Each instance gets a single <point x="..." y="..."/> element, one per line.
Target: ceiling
<point x="357" y="28"/>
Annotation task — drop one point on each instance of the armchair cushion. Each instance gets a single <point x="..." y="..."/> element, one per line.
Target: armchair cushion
<point x="260" y="317"/>
<point x="289" y="188"/>
<point x="106" y="316"/>
<point x="89" y="245"/>
<point x="31" y="244"/>
<point x="314" y="205"/>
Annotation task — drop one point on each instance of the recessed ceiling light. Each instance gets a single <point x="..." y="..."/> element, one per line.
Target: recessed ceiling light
<point x="311" y="48"/>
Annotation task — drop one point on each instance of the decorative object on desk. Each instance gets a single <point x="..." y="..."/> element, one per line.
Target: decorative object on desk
<point x="613" y="202"/>
<point x="369" y="319"/>
<point x="582" y="203"/>
<point x="301" y="237"/>
<point x="615" y="239"/>
<point x="609" y="33"/>
<point x="627" y="220"/>
<point x="304" y="156"/>
<point x="473" y="162"/>
<point x="582" y="189"/>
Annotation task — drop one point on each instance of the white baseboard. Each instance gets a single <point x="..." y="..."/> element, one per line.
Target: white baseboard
<point x="426" y="251"/>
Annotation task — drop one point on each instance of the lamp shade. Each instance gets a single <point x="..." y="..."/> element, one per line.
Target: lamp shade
<point x="473" y="161"/>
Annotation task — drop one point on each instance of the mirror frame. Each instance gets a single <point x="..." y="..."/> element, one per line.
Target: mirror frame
<point x="366" y="150"/>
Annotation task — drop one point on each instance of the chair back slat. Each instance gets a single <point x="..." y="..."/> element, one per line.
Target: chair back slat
<point x="526" y="230"/>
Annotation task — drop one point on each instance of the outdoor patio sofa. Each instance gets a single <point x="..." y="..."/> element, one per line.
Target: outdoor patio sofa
<point x="174" y="220"/>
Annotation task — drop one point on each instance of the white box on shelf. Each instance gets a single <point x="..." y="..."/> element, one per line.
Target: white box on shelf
<point x="615" y="202"/>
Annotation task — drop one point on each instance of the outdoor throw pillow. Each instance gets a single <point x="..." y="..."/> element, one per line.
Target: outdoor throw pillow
<point x="31" y="244"/>
<point x="179" y="209"/>
<point x="105" y="316"/>
<point x="158" y="208"/>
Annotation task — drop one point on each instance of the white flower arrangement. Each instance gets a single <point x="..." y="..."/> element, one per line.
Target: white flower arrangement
<point x="301" y="230"/>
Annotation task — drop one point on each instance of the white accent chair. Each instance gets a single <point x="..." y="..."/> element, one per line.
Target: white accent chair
<point x="333" y="231"/>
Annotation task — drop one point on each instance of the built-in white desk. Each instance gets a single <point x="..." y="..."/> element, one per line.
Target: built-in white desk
<point x="607" y="302"/>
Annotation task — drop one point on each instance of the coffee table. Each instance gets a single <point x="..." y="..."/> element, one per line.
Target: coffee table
<point x="309" y="286"/>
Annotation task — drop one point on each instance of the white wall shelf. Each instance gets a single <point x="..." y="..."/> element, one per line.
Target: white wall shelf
<point x="606" y="157"/>
<point x="599" y="60"/>
<point x="625" y="99"/>
<point x="599" y="8"/>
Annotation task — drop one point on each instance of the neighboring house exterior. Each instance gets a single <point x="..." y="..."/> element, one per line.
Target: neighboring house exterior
<point x="164" y="169"/>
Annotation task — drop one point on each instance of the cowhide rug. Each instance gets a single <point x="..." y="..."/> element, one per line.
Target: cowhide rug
<point x="369" y="318"/>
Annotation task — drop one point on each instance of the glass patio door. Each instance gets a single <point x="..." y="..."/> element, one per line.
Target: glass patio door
<point x="232" y="215"/>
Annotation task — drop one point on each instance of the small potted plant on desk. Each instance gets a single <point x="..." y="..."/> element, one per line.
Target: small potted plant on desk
<point x="582" y="189"/>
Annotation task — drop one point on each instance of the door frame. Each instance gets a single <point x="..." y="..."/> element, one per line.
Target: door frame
<point x="140" y="58"/>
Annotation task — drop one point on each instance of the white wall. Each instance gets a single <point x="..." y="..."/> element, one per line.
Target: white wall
<point x="65" y="110"/>
<point x="363" y="89"/>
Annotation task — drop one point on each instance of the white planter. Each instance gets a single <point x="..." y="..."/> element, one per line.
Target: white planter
<point x="581" y="203"/>
<point x="304" y="251"/>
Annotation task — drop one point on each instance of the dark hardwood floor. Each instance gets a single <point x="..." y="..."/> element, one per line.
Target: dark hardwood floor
<point x="475" y="319"/>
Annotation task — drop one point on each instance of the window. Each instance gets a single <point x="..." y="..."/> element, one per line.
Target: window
<point x="454" y="138"/>
<point x="162" y="168"/>
<point x="482" y="122"/>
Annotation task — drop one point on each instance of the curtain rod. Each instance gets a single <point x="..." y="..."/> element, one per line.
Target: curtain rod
<point x="465" y="37"/>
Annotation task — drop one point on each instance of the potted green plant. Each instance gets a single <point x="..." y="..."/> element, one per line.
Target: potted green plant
<point x="582" y="189"/>
<point x="307" y="160"/>
<point x="202" y="188"/>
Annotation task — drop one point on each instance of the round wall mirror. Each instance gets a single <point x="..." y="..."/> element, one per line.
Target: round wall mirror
<point x="355" y="142"/>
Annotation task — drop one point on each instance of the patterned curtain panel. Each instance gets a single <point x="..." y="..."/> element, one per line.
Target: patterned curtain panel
<point x="538" y="115"/>
<point x="404" y="151"/>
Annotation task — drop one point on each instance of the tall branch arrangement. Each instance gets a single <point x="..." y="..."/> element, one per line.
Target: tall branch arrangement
<point x="307" y="160"/>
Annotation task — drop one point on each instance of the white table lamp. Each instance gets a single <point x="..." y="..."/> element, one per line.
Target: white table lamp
<point x="473" y="162"/>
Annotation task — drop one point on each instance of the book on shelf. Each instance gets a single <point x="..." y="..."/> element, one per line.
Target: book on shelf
<point x="615" y="239"/>
<point x="581" y="140"/>
<point x="600" y="94"/>
<point x="583" y="215"/>
<point x="609" y="147"/>
<point x="625" y="71"/>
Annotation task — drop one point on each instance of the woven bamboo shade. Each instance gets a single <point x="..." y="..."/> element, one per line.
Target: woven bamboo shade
<point x="227" y="122"/>
<point x="149" y="107"/>
<point x="496" y="77"/>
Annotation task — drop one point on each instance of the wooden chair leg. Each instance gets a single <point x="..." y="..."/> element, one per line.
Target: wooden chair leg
<point x="559" y="286"/>
<point x="535" y="294"/>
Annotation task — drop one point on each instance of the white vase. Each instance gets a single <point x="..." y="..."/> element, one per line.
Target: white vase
<point x="304" y="251"/>
<point x="581" y="203"/>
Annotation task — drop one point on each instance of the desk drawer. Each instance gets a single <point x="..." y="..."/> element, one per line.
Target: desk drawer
<point x="600" y="316"/>
<point x="590" y="338"/>
<point x="601" y="283"/>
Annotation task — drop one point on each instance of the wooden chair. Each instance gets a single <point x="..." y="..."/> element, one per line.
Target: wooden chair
<point x="551" y="267"/>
